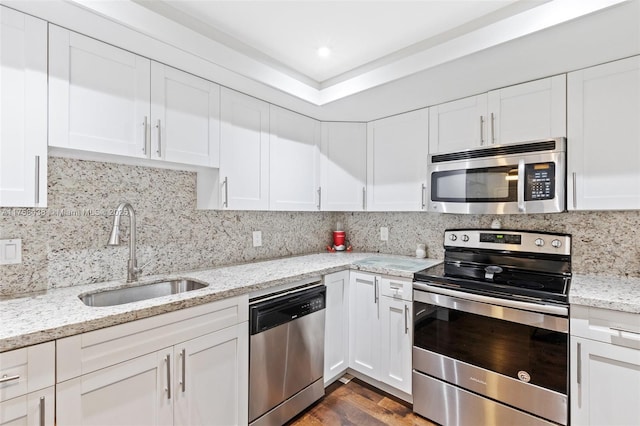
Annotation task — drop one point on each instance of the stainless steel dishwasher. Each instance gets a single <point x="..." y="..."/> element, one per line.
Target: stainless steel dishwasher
<point x="286" y="352"/>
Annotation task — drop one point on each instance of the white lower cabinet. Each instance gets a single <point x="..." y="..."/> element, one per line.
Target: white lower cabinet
<point x="380" y="329"/>
<point x="605" y="367"/>
<point x="182" y="368"/>
<point x="34" y="409"/>
<point x="336" y="329"/>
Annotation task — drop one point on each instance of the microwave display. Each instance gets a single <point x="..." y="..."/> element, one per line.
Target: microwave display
<point x="540" y="181"/>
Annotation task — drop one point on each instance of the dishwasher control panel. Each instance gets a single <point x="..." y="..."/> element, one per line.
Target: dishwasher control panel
<point x="285" y="308"/>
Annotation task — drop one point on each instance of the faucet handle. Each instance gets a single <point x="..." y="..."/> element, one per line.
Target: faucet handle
<point x="140" y="268"/>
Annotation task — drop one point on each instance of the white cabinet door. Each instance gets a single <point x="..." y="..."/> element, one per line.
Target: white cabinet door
<point x="364" y="323"/>
<point x="397" y="149"/>
<point x="605" y="384"/>
<point x="98" y="96"/>
<point x="294" y="161"/>
<point x="344" y="166"/>
<point x="211" y="385"/>
<point x="528" y="111"/>
<point x="23" y="110"/>
<point x="185" y="117"/>
<point x="134" y="392"/>
<point x="244" y="151"/>
<point x="336" y="328"/>
<point x="604" y="137"/>
<point x="458" y="125"/>
<point x="34" y="409"/>
<point x="396" y="342"/>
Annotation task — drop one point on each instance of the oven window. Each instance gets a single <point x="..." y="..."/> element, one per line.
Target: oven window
<point x="493" y="344"/>
<point x="490" y="184"/>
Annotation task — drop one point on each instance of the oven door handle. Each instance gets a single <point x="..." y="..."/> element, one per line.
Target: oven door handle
<point x="521" y="186"/>
<point x="509" y="310"/>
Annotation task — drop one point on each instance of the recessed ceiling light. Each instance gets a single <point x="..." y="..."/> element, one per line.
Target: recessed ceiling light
<point x="324" y="52"/>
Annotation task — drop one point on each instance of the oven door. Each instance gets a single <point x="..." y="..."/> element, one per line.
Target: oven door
<point x="513" y="355"/>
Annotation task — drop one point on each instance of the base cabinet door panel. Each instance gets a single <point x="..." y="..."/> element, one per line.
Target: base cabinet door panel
<point x="34" y="409"/>
<point x="211" y="378"/>
<point x="135" y="392"/>
<point x="364" y="310"/>
<point x="336" y="329"/>
<point x="396" y="342"/>
<point x="605" y="384"/>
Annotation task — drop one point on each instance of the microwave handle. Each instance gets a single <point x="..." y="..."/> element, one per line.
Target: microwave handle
<point x="521" y="186"/>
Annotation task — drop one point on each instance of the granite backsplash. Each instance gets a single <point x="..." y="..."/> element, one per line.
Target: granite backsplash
<point x="65" y="244"/>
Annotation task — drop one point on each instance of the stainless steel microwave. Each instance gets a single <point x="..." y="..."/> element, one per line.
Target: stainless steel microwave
<point x="528" y="177"/>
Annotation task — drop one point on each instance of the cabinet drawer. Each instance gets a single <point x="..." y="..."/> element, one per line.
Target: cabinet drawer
<point x="92" y="351"/>
<point x="604" y="325"/>
<point x="398" y="288"/>
<point x="26" y="370"/>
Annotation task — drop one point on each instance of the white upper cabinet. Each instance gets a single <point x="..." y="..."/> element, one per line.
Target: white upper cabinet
<point x="458" y="125"/>
<point x="344" y="166"/>
<point x="23" y="110"/>
<point x="244" y="152"/>
<point x="528" y="111"/>
<point x="397" y="149"/>
<point x="294" y="161"/>
<point x="185" y="117"/>
<point x="524" y="112"/>
<point x="107" y="100"/>
<point x="604" y="137"/>
<point x="98" y="96"/>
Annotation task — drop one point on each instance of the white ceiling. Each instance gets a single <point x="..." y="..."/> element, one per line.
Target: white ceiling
<point x="288" y="33"/>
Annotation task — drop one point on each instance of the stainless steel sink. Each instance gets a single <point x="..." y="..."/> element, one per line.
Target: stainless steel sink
<point x="124" y="295"/>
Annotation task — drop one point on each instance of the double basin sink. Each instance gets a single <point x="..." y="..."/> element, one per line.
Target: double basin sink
<point x="120" y="296"/>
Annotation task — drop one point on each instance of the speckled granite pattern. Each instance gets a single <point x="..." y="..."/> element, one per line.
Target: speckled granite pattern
<point x="604" y="243"/>
<point x="59" y="312"/>
<point x="65" y="244"/>
<point x="619" y="294"/>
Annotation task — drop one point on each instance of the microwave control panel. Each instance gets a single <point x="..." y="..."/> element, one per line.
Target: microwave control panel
<point x="540" y="181"/>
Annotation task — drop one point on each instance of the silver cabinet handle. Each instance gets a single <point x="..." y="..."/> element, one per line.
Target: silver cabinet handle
<point x="42" y="411"/>
<point x="145" y="127"/>
<point x="481" y="130"/>
<point x="37" y="185"/>
<point x="319" y="197"/>
<point x="225" y="182"/>
<point x="6" y="378"/>
<point x="375" y="290"/>
<point x="422" y="189"/>
<point x="364" y="198"/>
<point x="493" y="130"/>
<point x="183" y="355"/>
<point x="167" y="361"/>
<point x="406" y="319"/>
<point x="159" y="127"/>
<point x="575" y="187"/>
<point x="579" y="364"/>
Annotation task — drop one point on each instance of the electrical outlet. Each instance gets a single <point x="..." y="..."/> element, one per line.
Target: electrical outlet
<point x="384" y="233"/>
<point x="257" y="238"/>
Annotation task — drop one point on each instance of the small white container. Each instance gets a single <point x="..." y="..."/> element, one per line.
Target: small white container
<point x="421" y="251"/>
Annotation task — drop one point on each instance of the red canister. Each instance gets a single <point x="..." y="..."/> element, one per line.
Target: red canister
<point x="338" y="238"/>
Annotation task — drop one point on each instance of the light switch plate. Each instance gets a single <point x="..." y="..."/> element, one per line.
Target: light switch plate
<point x="384" y="233"/>
<point x="257" y="238"/>
<point x="10" y="251"/>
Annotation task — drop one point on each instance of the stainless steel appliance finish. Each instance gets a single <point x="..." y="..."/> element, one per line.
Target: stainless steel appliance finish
<point x="286" y="359"/>
<point x="491" y="330"/>
<point x="527" y="177"/>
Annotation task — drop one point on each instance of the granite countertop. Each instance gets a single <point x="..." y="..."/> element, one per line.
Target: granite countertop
<point x="58" y="313"/>
<point x="608" y="292"/>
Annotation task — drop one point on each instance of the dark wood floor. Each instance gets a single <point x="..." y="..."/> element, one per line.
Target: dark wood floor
<point x="357" y="403"/>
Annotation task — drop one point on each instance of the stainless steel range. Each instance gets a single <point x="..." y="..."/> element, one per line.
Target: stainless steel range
<point x="491" y="330"/>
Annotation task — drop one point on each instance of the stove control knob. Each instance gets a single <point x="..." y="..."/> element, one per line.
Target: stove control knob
<point x="556" y="243"/>
<point x="539" y="242"/>
<point x="453" y="237"/>
<point x="465" y="238"/>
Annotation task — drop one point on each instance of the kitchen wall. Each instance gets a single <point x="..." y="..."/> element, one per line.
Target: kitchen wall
<point x="603" y="242"/>
<point x="65" y="244"/>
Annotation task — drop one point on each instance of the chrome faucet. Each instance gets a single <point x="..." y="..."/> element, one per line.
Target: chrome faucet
<point x="114" y="240"/>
